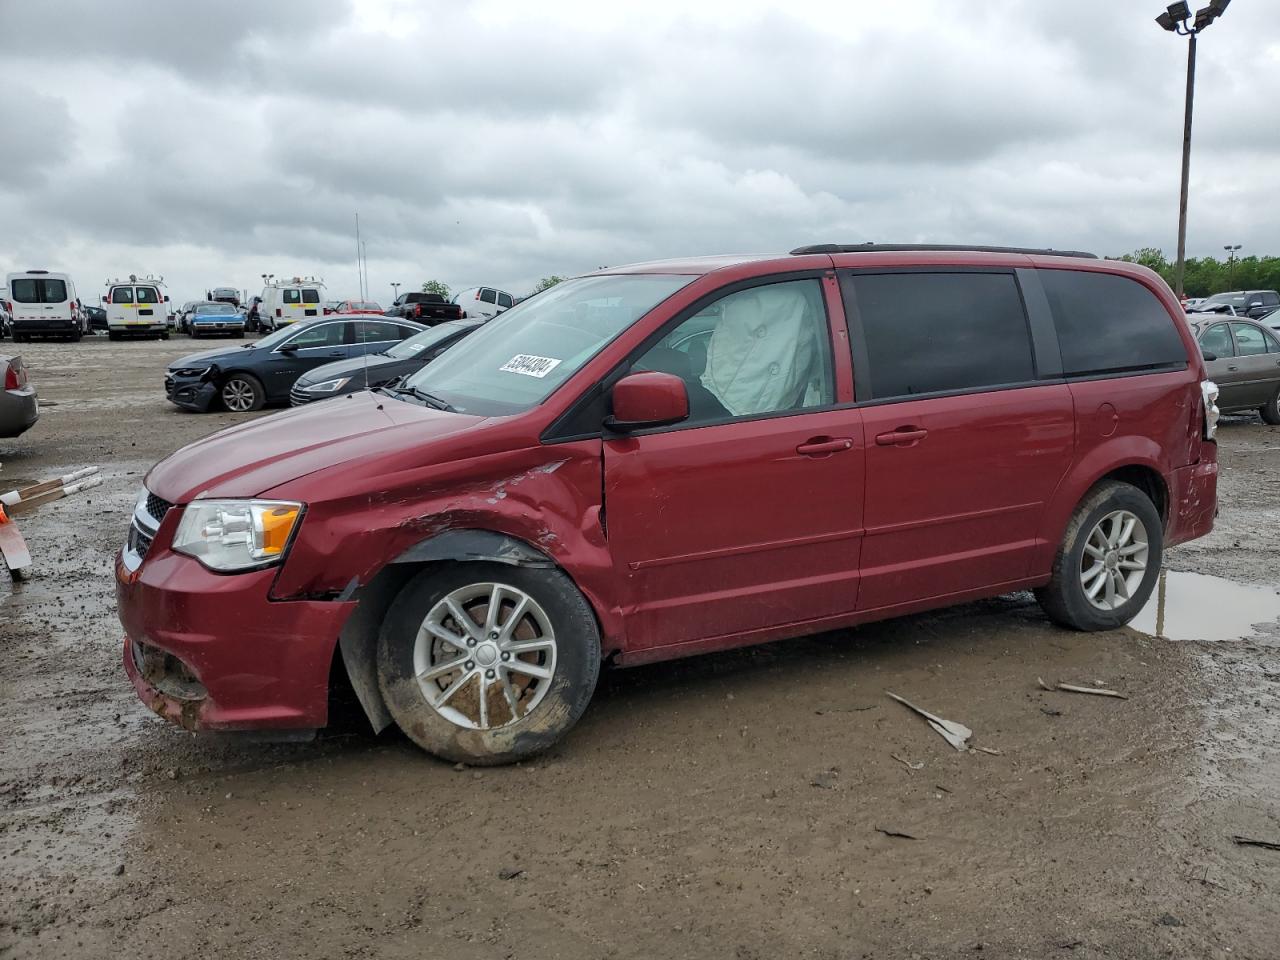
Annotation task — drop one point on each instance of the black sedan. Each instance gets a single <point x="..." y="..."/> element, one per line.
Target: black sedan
<point x="374" y="370"/>
<point x="249" y="376"/>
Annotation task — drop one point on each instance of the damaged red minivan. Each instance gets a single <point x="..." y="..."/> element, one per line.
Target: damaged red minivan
<point x="670" y="458"/>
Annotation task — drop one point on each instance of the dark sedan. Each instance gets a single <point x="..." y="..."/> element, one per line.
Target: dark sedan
<point x="374" y="370"/>
<point x="250" y="376"/>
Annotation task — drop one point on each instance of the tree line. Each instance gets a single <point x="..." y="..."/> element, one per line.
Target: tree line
<point x="1206" y="275"/>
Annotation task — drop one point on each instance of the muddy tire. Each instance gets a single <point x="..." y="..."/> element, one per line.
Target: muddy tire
<point x="242" y="393"/>
<point x="1271" y="410"/>
<point x="498" y="688"/>
<point x="1108" y="561"/>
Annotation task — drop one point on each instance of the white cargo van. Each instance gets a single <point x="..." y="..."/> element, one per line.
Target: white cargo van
<point x="288" y="301"/>
<point x="44" y="304"/>
<point x="486" y="302"/>
<point x="136" y="307"/>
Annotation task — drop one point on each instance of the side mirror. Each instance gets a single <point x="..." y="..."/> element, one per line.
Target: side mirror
<point x="166" y="298"/>
<point x="288" y="348"/>
<point x="1209" y="356"/>
<point x="648" y="399"/>
<point x="104" y="298"/>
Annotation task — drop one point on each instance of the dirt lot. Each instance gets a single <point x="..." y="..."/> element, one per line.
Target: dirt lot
<point x="726" y="806"/>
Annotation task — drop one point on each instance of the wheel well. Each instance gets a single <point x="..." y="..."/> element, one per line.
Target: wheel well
<point x="358" y="641"/>
<point x="1148" y="481"/>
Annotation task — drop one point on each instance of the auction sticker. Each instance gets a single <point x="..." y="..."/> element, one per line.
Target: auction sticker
<point x="529" y="365"/>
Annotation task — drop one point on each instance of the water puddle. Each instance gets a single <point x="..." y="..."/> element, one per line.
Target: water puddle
<point x="1194" y="606"/>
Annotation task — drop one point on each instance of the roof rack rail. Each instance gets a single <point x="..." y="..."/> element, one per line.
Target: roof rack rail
<point x="954" y="247"/>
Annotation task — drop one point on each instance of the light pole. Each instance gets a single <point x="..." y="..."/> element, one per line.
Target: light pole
<point x="1231" y="249"/>
<point x="1174" y="19"/>
<point x="395" y="292"/>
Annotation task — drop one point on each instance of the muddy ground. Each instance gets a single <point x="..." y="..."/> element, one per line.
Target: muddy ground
<point x="725" y="806"/>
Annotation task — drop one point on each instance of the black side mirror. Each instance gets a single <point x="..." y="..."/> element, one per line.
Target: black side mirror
<point x="289" y="348"/>
<point x="1208" y="355"/>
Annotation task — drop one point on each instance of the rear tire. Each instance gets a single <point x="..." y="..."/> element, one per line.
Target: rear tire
<point x="242" y="393"/>
<point x="1112" y="548"/>
<point x="112" y="335"/>
<point x="513" y="685"/>
<point x="1271" y="410"/>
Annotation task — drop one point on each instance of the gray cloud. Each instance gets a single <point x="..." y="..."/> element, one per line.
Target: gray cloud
<point x="497" y="142"/>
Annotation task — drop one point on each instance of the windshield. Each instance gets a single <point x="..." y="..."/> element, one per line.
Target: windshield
<point x="215" y="309"/>
<point x="425" y="340"/>
<point x="1235" y="299"/>
<point x="517" y="360"/>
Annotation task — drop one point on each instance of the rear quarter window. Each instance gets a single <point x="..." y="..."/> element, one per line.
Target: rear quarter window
<point x="1110" y="324"/>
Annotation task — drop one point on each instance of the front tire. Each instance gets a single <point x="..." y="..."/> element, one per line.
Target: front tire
<point x="1108" y="561"/>
<point x="488" y="688"/>
<point x="242" y="393"/>
<point x="1271" y="410"/>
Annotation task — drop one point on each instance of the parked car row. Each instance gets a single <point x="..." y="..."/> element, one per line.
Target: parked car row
<point x="485" y="534"/>
<point x="251" y="375"/>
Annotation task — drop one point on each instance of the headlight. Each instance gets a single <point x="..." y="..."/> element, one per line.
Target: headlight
<point x="328" y="386"/>
<point x="236" y="534"/>
<point x="189" y="371"/>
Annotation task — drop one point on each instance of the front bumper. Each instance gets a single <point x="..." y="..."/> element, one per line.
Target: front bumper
<point x="190" y="393"/>
<point x="211" y="652"/>
<point x="236" y="327"/>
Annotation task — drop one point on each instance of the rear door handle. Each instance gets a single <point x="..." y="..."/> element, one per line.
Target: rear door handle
<point x="818" y="447"/>
<point x="901" y="435"/>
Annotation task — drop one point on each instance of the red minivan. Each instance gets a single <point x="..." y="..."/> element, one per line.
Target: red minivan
<point x="670" y="458"/>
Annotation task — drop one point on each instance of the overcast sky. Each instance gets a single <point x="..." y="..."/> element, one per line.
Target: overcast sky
<point x="498" y="142"/>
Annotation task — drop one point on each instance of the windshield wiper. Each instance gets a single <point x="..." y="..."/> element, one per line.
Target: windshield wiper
<point x="429" y="399"/>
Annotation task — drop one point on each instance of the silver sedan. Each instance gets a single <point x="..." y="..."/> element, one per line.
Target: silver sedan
<point x="19" y="408"/>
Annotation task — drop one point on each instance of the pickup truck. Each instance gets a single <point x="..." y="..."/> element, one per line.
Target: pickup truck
<point x="428" y="308"/>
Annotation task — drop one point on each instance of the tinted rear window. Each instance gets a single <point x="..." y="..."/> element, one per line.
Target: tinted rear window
<point x="1108" y="324"/>
<point x="934" y="332"/>
<point x="310" y="296"/>
<point x="32" y="290"/>
<point x="122" y="295"/>
<point x="291" y="296"/>
<point x="148" y="295"/>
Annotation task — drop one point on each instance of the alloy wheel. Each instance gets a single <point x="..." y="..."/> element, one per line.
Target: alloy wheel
<point x="238" y="396"/>
<point x="485" y="655"/>
<point x="1114" y="560"/>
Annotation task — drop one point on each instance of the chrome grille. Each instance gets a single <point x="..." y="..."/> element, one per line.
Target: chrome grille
<point x="157" y="507"/>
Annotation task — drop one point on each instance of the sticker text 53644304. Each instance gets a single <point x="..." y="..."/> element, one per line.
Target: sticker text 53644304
<point x="529" y="365"/>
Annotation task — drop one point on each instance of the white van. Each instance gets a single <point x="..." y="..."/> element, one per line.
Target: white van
<point x="136" y="307"/>
<point x="486" y="302"/>
<point x="288" y="301"/>
<point x="42" y="303"/>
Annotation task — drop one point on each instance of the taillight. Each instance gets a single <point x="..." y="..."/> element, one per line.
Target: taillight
<point x="278" y="313"/>
<point x="418" y="311"/>
<point x="1209" y="391"/>
<point x="15" y="377"/>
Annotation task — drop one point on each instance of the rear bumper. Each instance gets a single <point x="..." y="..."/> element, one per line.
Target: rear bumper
<point x="1193" y="498"/>
<point x="212" y="652"/>
<point x="19" y="410"/>
<point x="45" y="325"/>
<point x="156" y="326"/>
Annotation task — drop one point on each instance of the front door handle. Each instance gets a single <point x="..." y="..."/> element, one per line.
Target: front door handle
<point x="818" y="447"/>
<point x="901" y="436"/>
<point x="1233" y="368"/>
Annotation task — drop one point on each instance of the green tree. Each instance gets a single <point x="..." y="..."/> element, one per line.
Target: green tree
<point x="435" y="286"/>
<point x="547" y="282"/>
